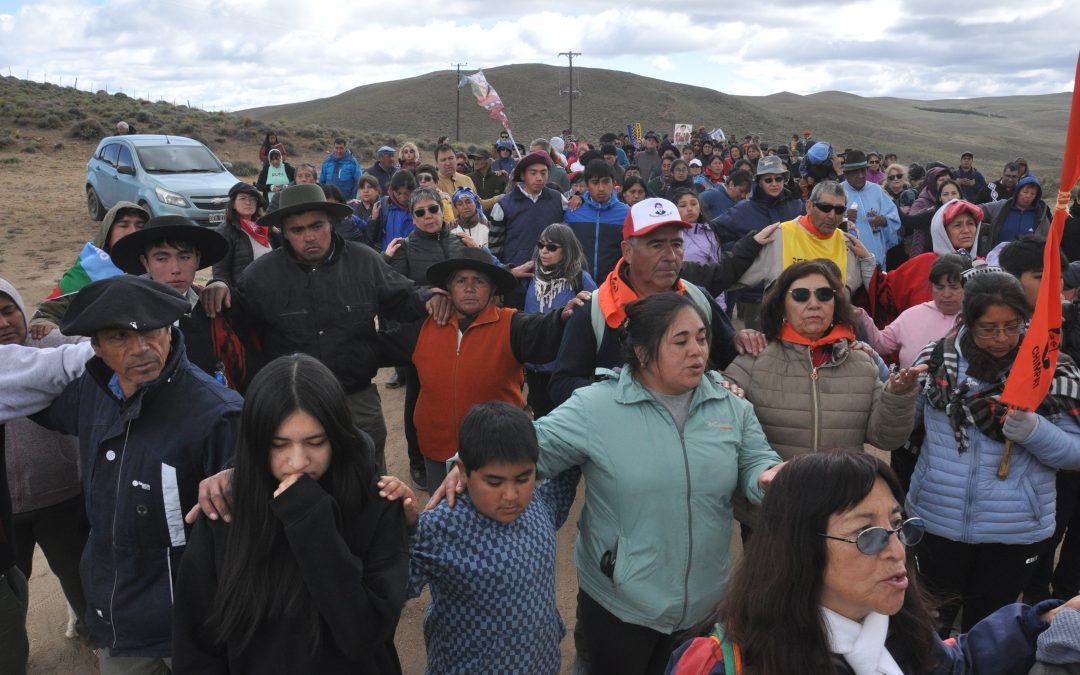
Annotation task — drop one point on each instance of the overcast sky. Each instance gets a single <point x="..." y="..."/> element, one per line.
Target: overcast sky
<point x="232" y="55"/>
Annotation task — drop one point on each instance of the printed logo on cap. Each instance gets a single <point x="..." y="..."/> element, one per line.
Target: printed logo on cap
<point x="660" y="210"/>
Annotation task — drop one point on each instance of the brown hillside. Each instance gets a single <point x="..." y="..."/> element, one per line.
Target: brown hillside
<point x="424" y="106"/>
<point x="995" y="129"/>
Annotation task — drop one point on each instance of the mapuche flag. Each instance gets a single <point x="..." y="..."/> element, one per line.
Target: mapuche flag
<point x="1031" y="374"/>
<point x="486" y="96"/>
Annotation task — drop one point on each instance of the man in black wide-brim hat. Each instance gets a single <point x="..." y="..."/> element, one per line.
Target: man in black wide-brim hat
<point x="170" y="250"/>
<point x="151" y="426"/>
<point x="319" y="294"/>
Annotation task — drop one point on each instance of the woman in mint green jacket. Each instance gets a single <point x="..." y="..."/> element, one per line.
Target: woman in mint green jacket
<point x="663" y="446"/>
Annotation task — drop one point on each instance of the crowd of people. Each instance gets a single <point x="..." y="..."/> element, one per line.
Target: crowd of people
<point x="709" y="334"/>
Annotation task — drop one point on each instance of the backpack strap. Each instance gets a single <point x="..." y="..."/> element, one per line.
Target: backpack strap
<point x="599" y="324"/>
<point x="699" y="298"/>
<point x="731" y="656"/>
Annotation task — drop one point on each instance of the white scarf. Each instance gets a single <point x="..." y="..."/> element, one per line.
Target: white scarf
<point x="861" y="644"/>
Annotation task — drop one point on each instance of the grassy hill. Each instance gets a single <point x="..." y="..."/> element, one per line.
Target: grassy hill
<point x="996" y="129"/>
<point x="422" y="108"/>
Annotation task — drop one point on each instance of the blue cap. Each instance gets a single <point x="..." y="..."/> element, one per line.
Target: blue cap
<point x="385" y="150"/>
<point x="504" y="145"/>
<point x="819" y="153"/>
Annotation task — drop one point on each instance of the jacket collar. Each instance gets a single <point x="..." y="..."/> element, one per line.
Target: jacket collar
<point x="489" y="314"/>
<point x="442" y="233"/>
<point x="629" y="391"/>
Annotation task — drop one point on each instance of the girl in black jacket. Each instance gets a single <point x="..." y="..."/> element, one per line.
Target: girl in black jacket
<point x="310" y="574"/>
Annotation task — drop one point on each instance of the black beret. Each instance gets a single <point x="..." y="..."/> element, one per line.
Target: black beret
<point x="123" y="301"/>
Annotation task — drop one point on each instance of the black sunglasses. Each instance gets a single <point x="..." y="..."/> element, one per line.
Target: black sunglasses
<point x="550" y="247"/>
<point x="419" y="213"/>
<point x="873" y="540"/>
<point x="825" y="208"/>
<point x="823" y="294"/>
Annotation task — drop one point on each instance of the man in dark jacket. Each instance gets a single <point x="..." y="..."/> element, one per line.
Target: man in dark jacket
<point x="319" y="294"/>
<point x="384" y="167"/>
<point x="520" y="215"/>
<point x="150" y="426"/>
<point x="1001" y="188"/>
<point x="490" y="185"/>
<point x="970" y="180"/>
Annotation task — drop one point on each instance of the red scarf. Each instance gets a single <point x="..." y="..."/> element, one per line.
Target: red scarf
<point x="257" y="232"/>
<point x="818" y="352"/>
<point x="615" y="294"/>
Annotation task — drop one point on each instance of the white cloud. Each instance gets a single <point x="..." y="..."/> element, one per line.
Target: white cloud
<point x="663" y="63"/>
<point x="237" y="54"/>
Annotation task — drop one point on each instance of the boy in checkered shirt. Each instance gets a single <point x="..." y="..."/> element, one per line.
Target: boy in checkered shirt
<point x="490" y="560"/>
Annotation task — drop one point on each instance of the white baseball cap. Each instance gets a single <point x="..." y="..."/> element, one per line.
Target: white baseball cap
<point x="649" y="214"/>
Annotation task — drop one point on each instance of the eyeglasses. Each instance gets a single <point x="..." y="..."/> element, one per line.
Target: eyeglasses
<point x="896" y="176"/>
<point x="873" y="540"/>
<point x="549" y="246"/>
<point x="823" y="294"/>
<point x="825" y="208"/>
<point x="990" y="332"/>
<point x="419" y="213"/>
<point x="771" y="179"/>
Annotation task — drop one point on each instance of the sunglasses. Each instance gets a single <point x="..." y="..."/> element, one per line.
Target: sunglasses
<point x="835" y="208"/>
<point x="873" y="540"/>
<point x="771" y="179"/>
<point x="895" y="176"/>
<point x="823" y="294"/>
<point x="424" y="178"/>
<point x="419" y="213"/>
<point x="549" y="246"/>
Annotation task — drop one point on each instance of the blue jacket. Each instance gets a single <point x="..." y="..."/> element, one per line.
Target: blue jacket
<point x="142" y="460"/>
<point x="344" y="173"/>
<point x="755" y="213"/>
<point x="599" y="228"/>
<point x="959" y="495"/>
<point x="532" y="305"/>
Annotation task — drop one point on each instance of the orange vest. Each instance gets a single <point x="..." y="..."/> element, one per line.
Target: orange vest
<point x="454" y="378"/>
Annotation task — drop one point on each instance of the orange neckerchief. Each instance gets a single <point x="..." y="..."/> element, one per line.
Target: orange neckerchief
<point x="838" y="332"/>
<point x="808" y="225"/>
<point x="615" y="294"/>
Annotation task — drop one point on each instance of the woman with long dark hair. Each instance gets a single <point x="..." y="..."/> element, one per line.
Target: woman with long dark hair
<point x="559" y="274"/>
<point x="310" y="574"/>
<point x="828" y="588"/>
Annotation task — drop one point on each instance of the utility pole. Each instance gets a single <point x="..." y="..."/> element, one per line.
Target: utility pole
<point x="570" y="91"/>
<point x="457" y="125"/>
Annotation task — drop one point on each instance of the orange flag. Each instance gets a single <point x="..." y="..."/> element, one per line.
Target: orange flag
<point x="1029" y="380"/>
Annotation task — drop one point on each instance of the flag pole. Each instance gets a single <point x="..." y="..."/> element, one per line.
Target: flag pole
<point x="1036" y="361"/>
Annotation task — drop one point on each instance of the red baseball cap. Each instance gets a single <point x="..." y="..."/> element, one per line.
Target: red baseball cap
<point x="649" y="214"/>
